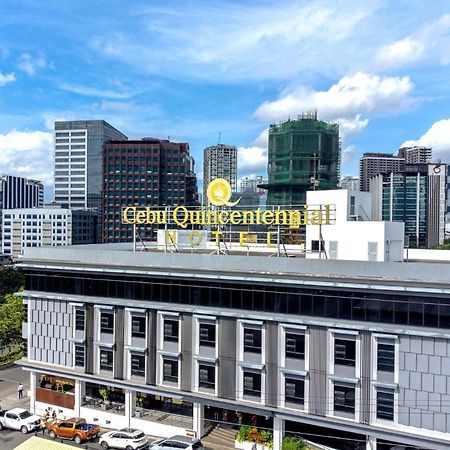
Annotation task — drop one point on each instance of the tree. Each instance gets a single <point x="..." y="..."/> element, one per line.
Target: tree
<point x="11" y="281"/>
<point x="11" y="317"/>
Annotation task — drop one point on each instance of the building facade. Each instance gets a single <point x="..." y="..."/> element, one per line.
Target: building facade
<point x="42" y="227"/>
<point x="416" y="196"/>
<point x="329" y="348"/>
<point x="219" y="161"/>
<point x="372" y="164"/>
<point x="147" y="172"/>
<point x="19" y="192"/>
<point x="350" y="183"/>
<point x="416" y="154"/>
<point x="78" y="162"/>
<point x="303" y="154"/>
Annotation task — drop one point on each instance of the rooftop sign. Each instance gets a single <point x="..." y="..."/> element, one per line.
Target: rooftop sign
<point x="219" y="194"/>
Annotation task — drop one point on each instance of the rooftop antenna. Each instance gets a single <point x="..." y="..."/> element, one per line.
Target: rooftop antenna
<point x="220" y="135"/>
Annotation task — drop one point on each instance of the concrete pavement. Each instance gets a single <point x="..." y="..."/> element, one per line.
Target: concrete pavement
<point x="10" y="378"/>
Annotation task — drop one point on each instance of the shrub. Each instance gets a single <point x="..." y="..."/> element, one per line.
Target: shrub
<point x="293" y="443"/>
<point x="243" y="433"/>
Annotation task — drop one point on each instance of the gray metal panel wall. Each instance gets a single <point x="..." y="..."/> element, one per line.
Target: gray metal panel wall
<point x="318" y="371"/>
<point x="271" y="363"/>
<point x="90" y="324"/>
<point x="118" y="343"/>
<point x="151" y="347"/>
<point x="186" y="352"/>
<point x="366" y="358"/>
<point x="227" y="358"/>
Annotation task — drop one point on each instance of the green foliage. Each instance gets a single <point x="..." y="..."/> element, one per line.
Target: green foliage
<point x="293" y="443"/>
<point x="243" y="433"/>
<point x="445" y="245"/>
<point x="252" y="434"/>
<point x="10" y="357"/>
<point x="104" y="393"/>
<point x="11" y="317"/>
<point x="11" y="281"/>
<point x="139" y="402"/>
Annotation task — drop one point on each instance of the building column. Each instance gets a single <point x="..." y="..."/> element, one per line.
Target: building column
<point x="278" y="432"/>
<point x="78" y="395"/>
<point x="371" y="443"/>
<point x="198" y="419"/>
<point x="128" y="406"/>
<point x="32" y="392"/>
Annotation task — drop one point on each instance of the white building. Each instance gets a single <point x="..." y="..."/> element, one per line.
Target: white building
<point x="353" y="236"/>
<point x="219" y="161"/>
<point x="349" y="182"/>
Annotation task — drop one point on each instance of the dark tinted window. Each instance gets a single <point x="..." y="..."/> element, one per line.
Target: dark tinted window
<point x="344" y="399"/>
<point x="386" y="357"/>
<point x="170" y="330"/>
<point x="344" y="352"/>
<point x="385" y="405"/>
<point x="107" y="322"/>
<point x="207" y="334"/>
<point x="295" y="345"/>
<point x="138" y="326"/>
<point x="252" y="340"/>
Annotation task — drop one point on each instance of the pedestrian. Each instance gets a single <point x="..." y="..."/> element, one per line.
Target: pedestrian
<point x="54" y="415"/>
<point x="20" y="390"/>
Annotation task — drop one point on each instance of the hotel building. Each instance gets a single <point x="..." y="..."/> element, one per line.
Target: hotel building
<point x="357" y="350"/>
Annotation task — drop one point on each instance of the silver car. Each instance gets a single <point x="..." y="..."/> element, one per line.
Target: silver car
<point x="177" y="443"/>
<point x="127" y="438"/>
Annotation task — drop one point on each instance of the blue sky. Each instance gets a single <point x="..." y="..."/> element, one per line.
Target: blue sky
<point x="192" y="69"/>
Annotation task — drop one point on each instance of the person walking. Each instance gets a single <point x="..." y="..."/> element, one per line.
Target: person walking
<point x="20" y="390"/>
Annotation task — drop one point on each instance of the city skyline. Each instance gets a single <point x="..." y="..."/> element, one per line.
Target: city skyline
<point x="193" y="80"/>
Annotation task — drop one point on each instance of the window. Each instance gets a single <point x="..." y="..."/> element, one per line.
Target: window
<point x="252" y="340"/>
<point x="207" y="335"/>
<point x="385" y="405"/>
<point x="25" y="347"/>
<point x="137" y="365"/>
<point x="207" y="376"/>
<point x="106" y="360"/>
<point x="252" y="384"/>
<point x="79" y="319"/>
<point x="138" y="326"/>
<point x="386" y="357"/>
<point x="170" y="370"/>
<point x="295" y="346"/>
<point x="344" y="352"/>
<point x="344" y="399"/>
<point x="25" y="312"/>
<point x="79" y="355"/>
<point x="171" y="330"/>
<point x="107" y="323"/>
<point x="294" y="391"/>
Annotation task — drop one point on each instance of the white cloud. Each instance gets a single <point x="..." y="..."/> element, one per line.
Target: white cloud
<point x="252" y="159"/>
<point x="348" y="153"/>
<point x="88" y="91"/>
<point x="30" y="64"/>
<point x="28" y="154"/>
<point x="438" y="138"/>
<point x="8" y="78"/>
<point x="431" y="41"/>
<point x="345" y="102"/>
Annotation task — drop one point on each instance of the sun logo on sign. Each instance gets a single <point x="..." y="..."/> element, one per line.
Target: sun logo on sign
<point x="219" y="193"/>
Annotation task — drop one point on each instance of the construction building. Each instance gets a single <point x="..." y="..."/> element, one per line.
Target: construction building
<point x="304" y="154"/>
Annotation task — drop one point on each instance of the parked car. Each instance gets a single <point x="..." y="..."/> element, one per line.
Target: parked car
<point x="127" y="438"/>
<point x="177" y="442"/>
<point x="19" y="419"/>
<point x="75" y="429"/>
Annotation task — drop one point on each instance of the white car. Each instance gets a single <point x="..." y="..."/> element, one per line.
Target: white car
<point x="176" y="443"/>
<point x="19" y="419"/>
<point x="127" y="438"/>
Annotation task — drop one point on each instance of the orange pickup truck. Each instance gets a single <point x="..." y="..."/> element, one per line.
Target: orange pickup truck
<point x="75" y="429"/>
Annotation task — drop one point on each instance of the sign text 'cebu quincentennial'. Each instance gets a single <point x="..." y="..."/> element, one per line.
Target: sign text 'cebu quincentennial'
<point x="219" y="194"/>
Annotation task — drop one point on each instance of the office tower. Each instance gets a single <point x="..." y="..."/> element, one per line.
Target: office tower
<point x="19" y="192"/>
<point x="372" y="164"/>
<point x="252" y="184"/>
<point x="304" y="154"/>
<point x="415" y="196"/>
<point x="350" y="183"/>
<point x="416" y="154"/>
<point x="79" y="161"/>
<point x="146" y="172"/>
<point x="219" y="161"/>
<point x="47" y="226"/>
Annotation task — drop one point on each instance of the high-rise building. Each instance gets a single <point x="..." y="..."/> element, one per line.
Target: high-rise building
<point x="19" y="192"/>
<point x="147" y="172"/>
<point x="44" y="227"/>
<point x="372" y="164"/>
<point x="415" y="196"/>
<point x="219" y="161"/>
<point x="304" y="154"/>
<point x="79" y="161"/>
<point x="350" y="183"/>
<point x="252" y="184"/>
<point x="416" y="154"/>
